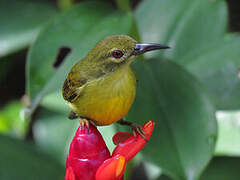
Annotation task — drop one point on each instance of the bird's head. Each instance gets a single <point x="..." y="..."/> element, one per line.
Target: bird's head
<point x="114" y="51"/>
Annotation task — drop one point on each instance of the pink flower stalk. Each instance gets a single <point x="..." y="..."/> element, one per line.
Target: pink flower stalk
<point x="90" y="159"/>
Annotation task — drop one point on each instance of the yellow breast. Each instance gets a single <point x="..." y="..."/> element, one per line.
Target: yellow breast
<point x="108" y="99"/>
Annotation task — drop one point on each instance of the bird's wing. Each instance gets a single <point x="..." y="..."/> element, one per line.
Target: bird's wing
<point x="73" y="86"/>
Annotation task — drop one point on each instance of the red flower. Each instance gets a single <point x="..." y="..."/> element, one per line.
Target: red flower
<point x="89" y="157"/>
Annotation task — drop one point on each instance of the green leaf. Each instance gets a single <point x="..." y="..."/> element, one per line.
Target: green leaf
<point x="222" y="168"/>
<point x="229" y="133"/>
<point x="21" y="160"/>
<point x="196" y="31"/>
<point x="184" y="137"/>
<point x="217" y="68"/>
<point x="185" y="25"/>
<point x="164" y="177"/>
<point x="123" y="5"/>
<point x="21" y="21"/>
<point x="53" y="133"/>
<point x="80" y="29"/>
<point x="10" y="121"/>
<point x="55" y="102"/>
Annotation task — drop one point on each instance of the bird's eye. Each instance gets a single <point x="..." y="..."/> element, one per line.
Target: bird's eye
<point x="117" y="54"/>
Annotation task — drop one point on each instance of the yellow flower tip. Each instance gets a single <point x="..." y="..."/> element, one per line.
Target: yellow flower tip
<point x="147" y="124"/>
<point x="120" y="166"/>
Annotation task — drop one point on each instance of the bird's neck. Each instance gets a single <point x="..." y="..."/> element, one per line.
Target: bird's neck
<point x="122" y="76"/>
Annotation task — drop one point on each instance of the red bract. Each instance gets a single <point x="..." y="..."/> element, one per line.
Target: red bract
<point x="87" y="152"/>
<point x="89" y="158"/>
<point x="111" y="169"/>
<point x="131" y="146"/>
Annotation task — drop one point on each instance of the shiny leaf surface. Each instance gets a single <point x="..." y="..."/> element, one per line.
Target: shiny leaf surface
<point x="217" y="68"/>
<point x="184" y="137"/>
<point x="184" y="25"/>
<point x="196" y="33"/>
<point x="21" y="21"/>
<point x="228" y="133"/>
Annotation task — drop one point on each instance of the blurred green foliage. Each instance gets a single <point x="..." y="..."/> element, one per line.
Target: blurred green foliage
<point x="21" y="21"/>
<point x="10" y="121"/>
<point x="181" y="89"/>
<point x="21" y="160"/>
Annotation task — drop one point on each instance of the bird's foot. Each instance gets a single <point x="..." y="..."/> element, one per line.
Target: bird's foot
<point x="138" y="129"/>
<point x="86" y="122"/>
<point x="135" y="127"/>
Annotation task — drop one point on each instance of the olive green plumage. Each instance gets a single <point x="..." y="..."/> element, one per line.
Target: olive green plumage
<point x="102" y="86"/>
<point x="97" y="86"/>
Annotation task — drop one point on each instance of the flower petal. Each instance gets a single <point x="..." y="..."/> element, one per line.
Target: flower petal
<point x="88" y="144"/>
<point x="70" y="174"/>
<point x="111" y="169"/>
<point x="87" y="152"/>
<point x="131" y="146"/>
<point x="120" y="137"/>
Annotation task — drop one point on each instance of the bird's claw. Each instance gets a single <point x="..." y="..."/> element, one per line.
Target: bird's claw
<point x="86" y="122"/>
<point x="138" y="129"/>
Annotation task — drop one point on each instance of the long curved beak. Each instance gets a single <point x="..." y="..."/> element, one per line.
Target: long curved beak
<point x="142" y="48"/>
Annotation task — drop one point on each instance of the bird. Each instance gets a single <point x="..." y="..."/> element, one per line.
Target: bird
<point x="100" y="88"/>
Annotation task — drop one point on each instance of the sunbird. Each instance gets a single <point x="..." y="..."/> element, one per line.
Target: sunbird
<point x="101" y="87"/>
